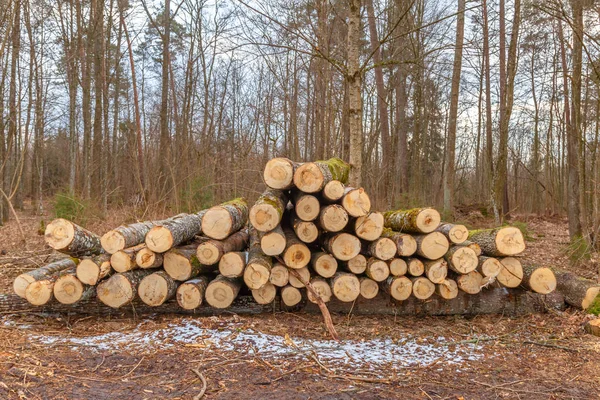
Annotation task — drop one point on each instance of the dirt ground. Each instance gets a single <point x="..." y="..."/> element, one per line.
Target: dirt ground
<point x="290" y="356"/>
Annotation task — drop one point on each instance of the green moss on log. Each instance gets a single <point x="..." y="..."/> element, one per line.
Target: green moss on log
<point x="340" y="170"/>
<point x="594" y="308"/>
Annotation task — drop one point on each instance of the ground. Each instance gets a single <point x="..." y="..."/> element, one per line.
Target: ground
<point x="290" y="356"/>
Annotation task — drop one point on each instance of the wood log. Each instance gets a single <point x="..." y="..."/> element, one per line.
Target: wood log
<point x="91" y="270"/>
<point x="593" y="327"/>
<point x="222" y="291"/>
<point x="305" y="230"/>
<point x="499" y="242"/>
<point x="268" y="210"/>
<point x="296" y="254"/>
<point x="124" y="260"/>
<point x="321" y="287"/>
<point x="291" y="296"/>
<point x="174" y="231"/>
<point x="272" y="243"/>
<point x="447" y="290"/>
<point x="398" y="267"/>
<point x="511" y="273"/>
<point x="210" y="251"/>
<point x="436" y="270"/>
<point x="221" y="221"/>
<point x="432" y="246"/>
<point x="398" y="287"/>
<point x="455" y="233"/>
<point x="279" y="173"/>
<point x="357" y="265"/>
<point x="182" y="264"/>
<point x="304" y="274"/>
<point x="306" y="206"/>
<point x="422" y="288"/>
<point x="190" y="294"/>
<point x="356" y="202"/>
<point x="69" y="290"/>
<point x="280" y="275"/>
<point x="155" y="289"/>
<point x="470" y="283"/>
<point x="266" y="294"/>
<point x="368" y="288"/>
<point x="416" y="220"/>
<point x="146" y="258"/>
<point x="120" y="289"/>
<point x="333" y="218"/>
<point x="461" y="259"/>
<point x="345" y="286"/>
<point x="579" y="292"/>
<point x="406" y="244"/>
<point x="70" y="238"/>
<point x="342" y="246"/>
<point x="473" y="246"/>
<point x="333" y="191"/>
<point x="382" y="248"/>
<point x="539" y="279"/>
<point x="489" y="266"/>
<point x="23" y="280"/>
<point x="369" y="227"/>
<point x="232" y="264"/>
<point x="41" y="291"/>
<point x="312" y="177"/>
<point x="131" y="235"/>
<point x="377" y="270"/>
<point x="415" y="267"/>
<point x="324" y="264"/>
<point x="258" y="268"/>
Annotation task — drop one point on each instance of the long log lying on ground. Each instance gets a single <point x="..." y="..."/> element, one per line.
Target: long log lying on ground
<point x="279" y="173"/>
<point x="23" y="280"/>
<point x="416" y="220"/>
<point x="128" y="235"/>
<point x="499" y="242"/>
<point x="69" y="238"/>
<point x="267" y="211"/>
<point x="91" y="270"/>
<point x="210" y="251"/>
<point x="174" y="231"/>
<point x="220" y="221"/>
<point x="491" y="301"/>
<point x="311" y="177"/>
<point x="579" y="292"/>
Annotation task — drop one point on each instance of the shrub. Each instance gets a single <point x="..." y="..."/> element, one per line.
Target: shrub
<point x="70" y="206"/>
<point x="579" y="249"/>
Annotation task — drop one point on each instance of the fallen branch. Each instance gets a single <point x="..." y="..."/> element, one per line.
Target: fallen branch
<point x="203" y="380"/>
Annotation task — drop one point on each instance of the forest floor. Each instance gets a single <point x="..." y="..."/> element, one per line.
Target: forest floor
<point x="289" y="355"/>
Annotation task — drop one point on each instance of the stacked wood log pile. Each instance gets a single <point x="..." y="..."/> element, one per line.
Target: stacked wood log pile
<point x="309" y="238"/>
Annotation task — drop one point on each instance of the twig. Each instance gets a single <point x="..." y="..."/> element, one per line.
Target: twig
<point x="203" y="379"/>
<point x="554" y="346"/>
<point x="15" y="214"/>
<point x="134" y="368"/>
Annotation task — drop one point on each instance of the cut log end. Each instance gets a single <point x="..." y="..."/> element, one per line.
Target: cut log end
<point x="356" y="202"/>
<point x="122" y="261"/>
<point x="428" y="219"/>
<point x="542" y="280"/>
<point x="291" y="296"/>
<point x="112" y="241"/>
<point x="399" y="287"/>
<point x="369" y="227"/>
<point x="68" y="289"/>
<point x="510" y="241"/>
<point x="306" y="231"/>
<point x="59" y="234"/>
<point x="309" y="178"/>
<point x="159" y="239"/>
<point x="458" y="234"/>
<point x="279" y="275"/>
<point x="345" y="286"/>
<point x="344" y="246"/>
<point x="40" y="292"/>
<point x="208" y="253"/>
<point x="333" y="191"/>
<point x="423" y="288"/>
<point x="385" y="249"/>
<point x="146" y="258"/>
<point x="177" y="266"/>
<point x="398" y="267"/>
<point x="357" y="265"/>
<point x="190" y="294"/>
<point x="436" y="270"/>
<point x="296" y="256"/>
<point x="21" y="283"/>
<point x="307" y="208"/>
<point x="256" y="275"/>
<point x="324" y="264"/>
<point x="322" y="288"/>
<point x="377" y="270"/>
<point x="489" y="266"/>
<point x="333" y="218"/>
<point x="447" y="290"/>
<point x="232" y="264"/>
<point x="264" y="217"/>
<point x="299" y="283"/>
<point x="279" y="173"/>
<point x="221" y="292"/>
<point x="415" y="267"/>
<point x="462" y="260"/>
<point x="592" y="297"/>
<point x="116" y="291"/>
<point x="593" y="327"/>
<point x="511" y="275"/>
<point x="472" y="282"/>
<point x="217" y="223"/>
<point x="432" y="246"/>
<point x="368" y="288"/>
<point x="156" y="288"/>
<point x="266" y="294"/>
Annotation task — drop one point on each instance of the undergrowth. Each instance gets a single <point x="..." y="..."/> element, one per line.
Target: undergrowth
<point x="523" y="227"/>
<point x="579" y="249"/>
<point x="74" y="208"/>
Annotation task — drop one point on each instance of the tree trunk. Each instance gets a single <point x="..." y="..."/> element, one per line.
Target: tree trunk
<point x="174" y="231"/>
<point x="129" y="235"/>
<point x="353" y="80"/>
<point x="23" y="280"/>
<point x="69" y="238"/>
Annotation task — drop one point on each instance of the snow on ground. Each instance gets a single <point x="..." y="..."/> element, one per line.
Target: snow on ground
<point x="376" y="352"/>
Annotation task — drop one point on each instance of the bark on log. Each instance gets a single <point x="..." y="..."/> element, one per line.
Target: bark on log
<point x="539" y="279"/>
<point x="415" y="266"/>
<point x="124" y="260"/>
<point x="369" y="227"/>
<point x="41" y="291"/>
<point x="447" y="290"/>
<point x="221" y="221"/>
<point x="291" y="296"/>
<point x="232" y="264"/>
<point x="306" y="206"/>
<point x="499" y="242"/>
<point x="422" y="288"/>
<point x="146" y="259"/>
<point x="272" y="243"/>
<point x="461" y="259"/>
<point x="398" y="267"/>
<point x="131" y="235"/>
<point x="280" y="275"/>
<point x="579" y="292"/>
<point x="489" y="266"/>
<point x="174" y="231"/>
<point x="324" y="264"/>
<point x="155" y="289"/>
<point x="23" y="280"/>
<point x="268" y="210"/>
<point x="279" y="173"/>
<point x="297" y="283"/>
<point x="377" y="270"/>
<point x="311" y="177"/>
<point x="456" y="234"/>
<point x="416" y="220"/>
<point x="342" y="246"/>
<point x="258" y="269"/>
<point x="511" y="274"/>
<point x="296" y="254"/>
<point x="406" y="244"/>
<point x="333" y="218"/>
<point x="306" y="231"/>
<point x="91" y="270"/>
<point x="121" y="289"/>
<point x="368" y="288"/>
<point x="436" y="270"/>
<point x="470" y="283"/>
<point x="473" y="246"/>
<point x="382" y="248"/>
<point x="345" y="286"/>
<point x="356" y="202"/>
<point x="593" y="327"/>
<point x="210" y="251"/>
<point x="71" y="239"/>
<point x="266" y="294"/>
<point x="398" y="287"/>
<point x="69" y="290"/>
<point x="322" y="288"/>
<point x="182" y="264"/>
<point x="333" y="191"/>
<point x="190" y="294"/>
<point x="357" y="265"/>
<point x="432" y="246"/>
<point x="222" y="291"/>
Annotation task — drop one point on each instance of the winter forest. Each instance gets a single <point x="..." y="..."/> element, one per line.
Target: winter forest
<point x="178" y="104"/>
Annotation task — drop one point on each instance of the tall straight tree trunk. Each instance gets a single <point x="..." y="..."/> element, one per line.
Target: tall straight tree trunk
<point x="85" y="51"/>
<point x="354" y="81"/>
<point x="97" y="30"/>
<point x="489" y="145"/>
<point x="449" y="171"/>
<point x="165" y="146"/>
